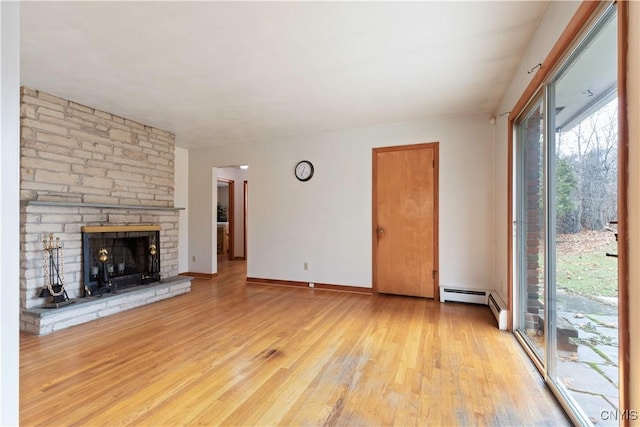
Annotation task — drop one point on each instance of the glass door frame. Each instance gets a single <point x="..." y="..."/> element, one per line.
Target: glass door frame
<point x="520" y="306"/>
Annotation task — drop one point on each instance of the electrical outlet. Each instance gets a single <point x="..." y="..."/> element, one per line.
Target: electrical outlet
<point x="193" y="258"/>
<point x="311" y="285"/>
<point x="306" y="265"/>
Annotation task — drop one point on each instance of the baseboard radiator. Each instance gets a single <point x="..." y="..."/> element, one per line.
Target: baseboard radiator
<point x="499" y="310"/>
<point x="474" y="296"/>
<point x="478" y="296"/>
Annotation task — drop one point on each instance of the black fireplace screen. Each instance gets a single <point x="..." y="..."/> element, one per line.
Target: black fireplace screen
<point x="119" y="257"/>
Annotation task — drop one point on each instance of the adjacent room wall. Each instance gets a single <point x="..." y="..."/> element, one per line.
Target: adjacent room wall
<point x="327" y="222"/>
<point x="553" y="23"/>
<point x="223" y="197"/>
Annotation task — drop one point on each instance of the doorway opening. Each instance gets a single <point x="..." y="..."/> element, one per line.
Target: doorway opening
<point x="231" y="212"/>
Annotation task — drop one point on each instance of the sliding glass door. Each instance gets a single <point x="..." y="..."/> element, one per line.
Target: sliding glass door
<point x="566" y="218"/>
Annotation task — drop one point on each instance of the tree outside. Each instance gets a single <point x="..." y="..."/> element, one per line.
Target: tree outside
<point x="586" y="204"/>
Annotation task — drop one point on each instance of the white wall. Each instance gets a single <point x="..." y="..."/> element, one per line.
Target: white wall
<point x="633" y="102"/>
<point x="327" y="221"/>
<point x="9" y="211"/>
<point x="553" y="23"/>
<point x="201" y="251"/>
<point x="181" y="200"/>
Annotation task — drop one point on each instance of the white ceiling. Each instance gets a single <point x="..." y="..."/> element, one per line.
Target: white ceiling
<point x="217" y="73"/>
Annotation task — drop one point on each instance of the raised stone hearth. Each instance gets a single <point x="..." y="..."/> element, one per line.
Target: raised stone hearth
<point x="42" y="321"/>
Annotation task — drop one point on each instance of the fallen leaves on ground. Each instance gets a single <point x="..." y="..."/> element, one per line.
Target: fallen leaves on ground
<point x="587" y="241"/>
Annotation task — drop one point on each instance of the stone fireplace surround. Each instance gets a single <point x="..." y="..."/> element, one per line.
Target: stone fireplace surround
<point x="80" y="166"/>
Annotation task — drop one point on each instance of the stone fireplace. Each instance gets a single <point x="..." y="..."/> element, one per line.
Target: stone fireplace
<point x="85" y="168"/>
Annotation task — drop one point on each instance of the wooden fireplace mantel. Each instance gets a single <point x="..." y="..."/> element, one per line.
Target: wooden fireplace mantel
<point x="118" y="228"/>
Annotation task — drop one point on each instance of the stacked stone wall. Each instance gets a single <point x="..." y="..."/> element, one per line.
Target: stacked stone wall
<point x="74" y="153"/>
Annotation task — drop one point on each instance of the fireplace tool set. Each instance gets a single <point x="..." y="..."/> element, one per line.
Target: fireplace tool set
<point x="53" y="265"/>
<point x="106" y="284"/>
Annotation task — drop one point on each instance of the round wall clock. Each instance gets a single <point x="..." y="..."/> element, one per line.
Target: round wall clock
<point x="304" y="170"/>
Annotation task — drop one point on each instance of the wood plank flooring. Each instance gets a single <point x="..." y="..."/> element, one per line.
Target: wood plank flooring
<point x="232" y="353"/>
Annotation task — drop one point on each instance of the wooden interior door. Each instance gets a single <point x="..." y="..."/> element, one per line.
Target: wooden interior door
<point x="405" y="220"/>
<point x="245" y="198"/>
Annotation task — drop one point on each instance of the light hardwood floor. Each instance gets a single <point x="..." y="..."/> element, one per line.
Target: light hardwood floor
<point x="231" y="353"/>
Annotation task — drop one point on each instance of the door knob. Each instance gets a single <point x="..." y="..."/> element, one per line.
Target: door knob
<point x="380" y="231"/>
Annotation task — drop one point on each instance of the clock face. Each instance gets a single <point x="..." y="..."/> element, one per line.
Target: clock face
<point x="304" y="170"/>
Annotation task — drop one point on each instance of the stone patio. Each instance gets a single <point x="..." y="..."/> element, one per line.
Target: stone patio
<point x="591" y="374"/>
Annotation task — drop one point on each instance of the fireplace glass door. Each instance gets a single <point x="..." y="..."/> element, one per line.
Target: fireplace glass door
<point x="116" y="258"/>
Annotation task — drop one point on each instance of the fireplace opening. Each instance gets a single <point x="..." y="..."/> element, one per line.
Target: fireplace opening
<point x="119" y="257"/>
